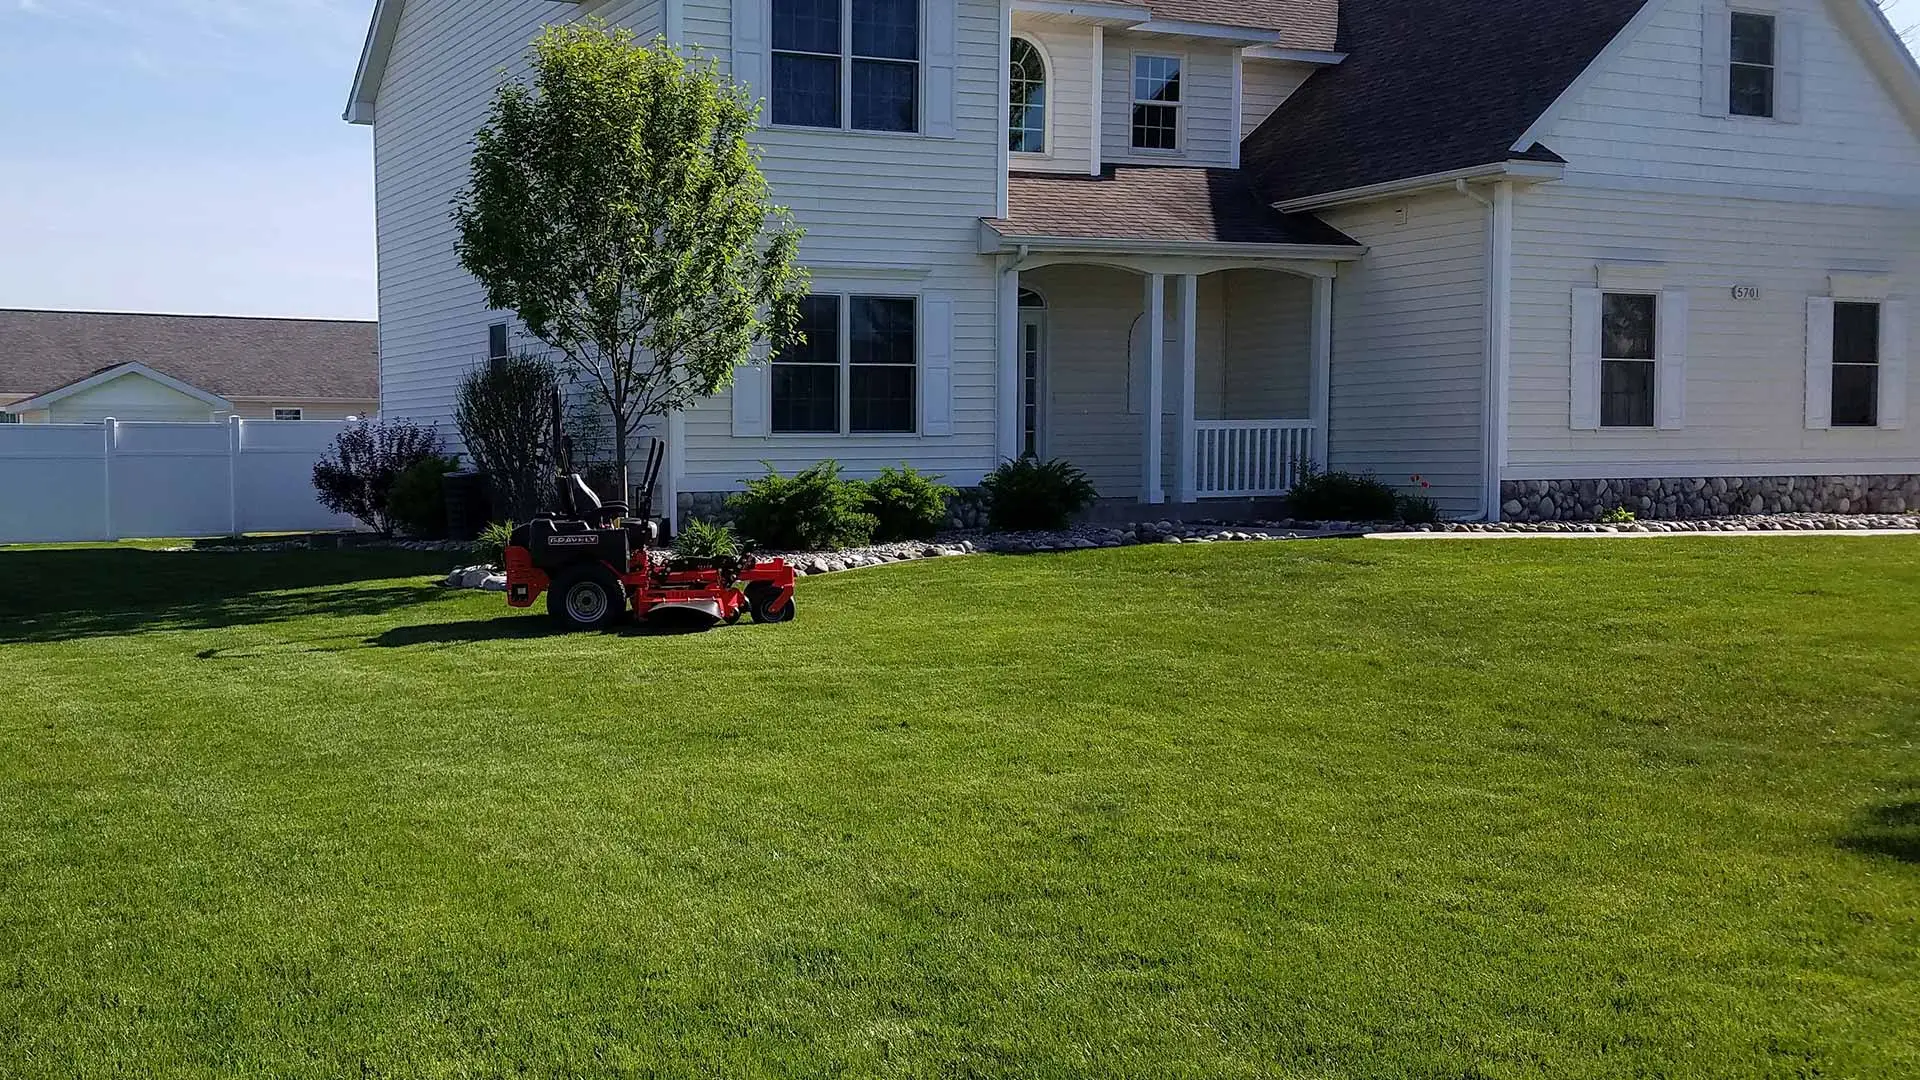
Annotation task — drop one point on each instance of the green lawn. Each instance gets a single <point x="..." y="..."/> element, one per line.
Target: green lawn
<point x="1353" y="809"/>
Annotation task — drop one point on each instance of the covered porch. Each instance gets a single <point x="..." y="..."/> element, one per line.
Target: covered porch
<point x="1178" y="373"/>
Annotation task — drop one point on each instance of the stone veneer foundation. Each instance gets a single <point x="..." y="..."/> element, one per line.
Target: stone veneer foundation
<point x="1708" y="497"/>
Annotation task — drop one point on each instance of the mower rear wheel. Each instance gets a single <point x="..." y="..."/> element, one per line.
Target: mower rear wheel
<point x="767" y="607"/>
<point x="587" y="598"/>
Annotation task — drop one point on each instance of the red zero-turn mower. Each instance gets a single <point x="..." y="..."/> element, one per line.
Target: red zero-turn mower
<point x="595" y="564"/>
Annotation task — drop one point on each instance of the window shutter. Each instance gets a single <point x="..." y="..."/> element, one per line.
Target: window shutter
<point x="1716" y="47"/>
<point x="936" y="369"/>
<point x="1586" y="360"/>
<point x="1819" y="363"/>
<point x="1895" y="320"/>
<point x="1788" y="65"/>
<point x="943" y="58"/>
<point x="750" y="45"/>
<point x="752" y="411"/>
<point x="1670" y="394"/>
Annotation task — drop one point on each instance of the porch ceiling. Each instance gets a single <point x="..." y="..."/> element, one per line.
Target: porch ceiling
<point x="1160" y="206"/>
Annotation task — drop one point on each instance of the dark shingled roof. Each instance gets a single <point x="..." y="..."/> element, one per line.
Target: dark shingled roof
<point x="1429" y="86"/>
<point x="291" y="359"/>
<point x="1154" y="203"/>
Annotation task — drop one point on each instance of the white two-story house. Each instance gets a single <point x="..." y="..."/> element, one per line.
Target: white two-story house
<point x="1517" y="247"/>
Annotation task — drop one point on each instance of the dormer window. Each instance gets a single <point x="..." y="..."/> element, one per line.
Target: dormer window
<point x="1027" y="87"/>
<point x="1156" y="103"/>
<point x="1751" y="76"/>
<point x="849" y="64"/>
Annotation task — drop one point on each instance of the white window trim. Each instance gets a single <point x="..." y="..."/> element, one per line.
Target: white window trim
<point x="845" y="294"/>
<point x="846" y="60"/>
<point x="298" y="413"/>
<point x="1671" y="334"/>
<point x="1179" y="107"/>
<point x="1046" y="73"/>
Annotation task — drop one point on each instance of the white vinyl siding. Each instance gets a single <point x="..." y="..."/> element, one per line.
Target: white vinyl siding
<point x="1069" y="50"/>
<point x="1209" y="126"/>
<point x="1746" y="387"/>
<point x="1410" y="346"/>
<point x="1642" y="117"/>
<point x="129" y="398"/>
<point x="1264" y="86"/>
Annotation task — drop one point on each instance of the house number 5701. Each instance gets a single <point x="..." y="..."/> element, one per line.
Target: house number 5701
<point x="1746" y="292"/>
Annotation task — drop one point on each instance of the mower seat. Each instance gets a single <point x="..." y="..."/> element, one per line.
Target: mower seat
<point x="579" y="502"/>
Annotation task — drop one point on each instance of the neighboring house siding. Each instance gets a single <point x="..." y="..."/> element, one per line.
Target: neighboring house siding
<point x="1746" y="360"/>
<point x="262" y="409"/>
<point x="130" y="398"/>
<point x="1071" y="87"/>
<point x="1409" y="363"/>
<point x="445" y="66"/>
<point x="888" y="214"/>
<point x="1210" y="128"/>
<point x="1641" y="116"/>
<point x="1265" y="85"/>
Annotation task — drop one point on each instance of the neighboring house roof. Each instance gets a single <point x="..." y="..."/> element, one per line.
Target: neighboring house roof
<point x="1151" y="203"/>
<point x="284" y="359"/>
<point x="1429" y="87"/>
<point x="107" y="375"/>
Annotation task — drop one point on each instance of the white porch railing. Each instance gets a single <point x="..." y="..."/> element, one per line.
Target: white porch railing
<point x="1238" y="459"/>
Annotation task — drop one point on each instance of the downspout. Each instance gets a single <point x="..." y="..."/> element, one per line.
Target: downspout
<point x="1499" y="316"/>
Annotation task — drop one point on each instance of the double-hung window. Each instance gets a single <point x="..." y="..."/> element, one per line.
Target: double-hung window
<point x="1754" y="70"/>
<point x="1856" y="365"/>
<point x="855" y="373"/>
<point x="848" y="64"/>
<point x="1156" y="103"/>
<point x="289" y="414"/>
<point x="1628" y="359"/>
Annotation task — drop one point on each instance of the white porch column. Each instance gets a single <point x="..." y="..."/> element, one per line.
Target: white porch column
<point x="1322" y="367"/>
<point x="1189" y="301"/>
<point x="1153" y="485"/>
<point x="1008" y="443"/>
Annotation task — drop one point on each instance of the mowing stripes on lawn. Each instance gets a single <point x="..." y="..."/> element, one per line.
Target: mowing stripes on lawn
<point x="1326" y="810"/>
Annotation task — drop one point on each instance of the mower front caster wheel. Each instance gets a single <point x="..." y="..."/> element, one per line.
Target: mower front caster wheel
<point x="587" y="598"/>
<point x="764" y="602"/>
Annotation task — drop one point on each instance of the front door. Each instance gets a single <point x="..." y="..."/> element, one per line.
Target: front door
<point x="1033" y="383"/>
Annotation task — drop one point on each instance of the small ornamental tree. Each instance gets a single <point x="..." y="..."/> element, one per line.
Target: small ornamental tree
<point x="503" y="411"/>
<point x="357" y="475"/>
<point x="617" y="208"/>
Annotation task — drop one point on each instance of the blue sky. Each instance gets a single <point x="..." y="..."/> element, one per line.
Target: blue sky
<point x="188" y="155"/>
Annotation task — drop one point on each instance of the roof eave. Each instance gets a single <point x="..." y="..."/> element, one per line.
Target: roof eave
<point x="1531" y="172"/>
<point x="373" y="61"/>
<point x="118" y="371"/>
<point x="993" y="241"/>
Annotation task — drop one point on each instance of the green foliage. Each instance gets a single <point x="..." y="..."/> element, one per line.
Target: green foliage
<point x="813" y="511"/>
<point x="1619" y="515"/>
<point x="493" y="541"/>
<point x="1417" y="507"/>
<point x="1340" y="496"/>
<point x="358" y="474"/>
<point x="617" y="206"/>
<point x="909" y="504"/>
<point x="704" y="541"/>
<point x="418" y="503"/>
<point x="502" y="410"/>
<point x="1034" y="494"/>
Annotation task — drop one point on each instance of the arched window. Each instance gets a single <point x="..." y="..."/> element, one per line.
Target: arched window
<point x="1030" y="299"/>
<point x="1027" y="83"/>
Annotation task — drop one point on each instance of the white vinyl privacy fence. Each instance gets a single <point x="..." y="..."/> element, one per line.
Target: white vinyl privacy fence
<point x="75" y="482"/>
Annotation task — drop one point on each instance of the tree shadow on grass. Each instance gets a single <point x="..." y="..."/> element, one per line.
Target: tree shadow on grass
<point x="1891" y="830"/>
<point x="50" y="596"/>
<point x="525" y="628"/>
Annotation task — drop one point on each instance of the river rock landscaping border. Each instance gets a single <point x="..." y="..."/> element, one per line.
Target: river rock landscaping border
<point x="1709" y="497"/>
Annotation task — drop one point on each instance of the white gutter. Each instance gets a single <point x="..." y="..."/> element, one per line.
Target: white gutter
<point x="995" y="242"/>
<point x="1525" y="171"/>
<point x="1499" y="316"/>
<point x="1323" y="57"/>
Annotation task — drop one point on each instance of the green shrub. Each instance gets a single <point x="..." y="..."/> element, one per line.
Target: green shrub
<point x="1340" y="496"/>
<point x="909" y="504"/>
<point x="814" y="511"/>
<point x="418" y="502"/>
<point x="1619" y="515"/>
<point x="1418" y="507"/>
<point x="493" y="541"/>
<point x="1034" y="494"/>
<point x="703" y="541"/>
